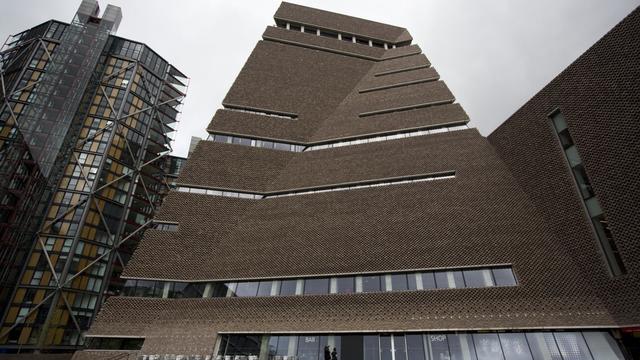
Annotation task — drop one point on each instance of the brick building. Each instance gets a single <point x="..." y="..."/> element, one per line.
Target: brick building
<point x="342" y="209"/>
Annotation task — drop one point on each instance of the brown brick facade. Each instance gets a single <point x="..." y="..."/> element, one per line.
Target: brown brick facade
<point x="507" y="204"/>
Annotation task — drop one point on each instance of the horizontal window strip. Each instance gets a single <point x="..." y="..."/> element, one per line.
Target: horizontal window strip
<point x="259" y="111"/>
<point x="443" y="176"/>
<point x="393" y="86"/>
<point x="165" y="225"/>
<point x="216" y="192"/>
<point x="336" y="34"/>
<point x="277" y="145"/>
<point x="406" y="108"/>
<point x="396" y="71"/>
<point x="317" y="190"/>
<point x="460" y="345"/>
<point x="429" y="131"/>
<point x="453" y="278"/>
<point x="246" y="141"/>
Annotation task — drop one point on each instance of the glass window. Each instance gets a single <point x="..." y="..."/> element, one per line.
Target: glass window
<point x="371" y="283"/>
<point x="187" y="290"/>
<point x="504" y="277"/>
<point x="399" y="348"/>
<point x="543" y="346"/>
<point x="264" y="289"/>
<point x="386" y="352"/>
<point x="515" y="347"/>
<point x="371" y="347"/>
<point x="437" y="346"/>
<point x="241" y="345"/>
<point x="345" y="285"/>
<point x="308" y="347"/>
<point x="247" y="288"/>
<point x="413" y="281"/>
<point x="220" y="290"/>
<point x="221" y="138"/>
<point x="488" y="346"/>
<point x="415" y="347"/>
<point x="129" y="288"/>
<point x="288" y="287"/>
<point x="316" y="286"/>
<point x="286" y="346"/>
<point x="572" y="346"/>
<point x="147" y="288"/>
<point x="478" y="278"/>
<point x="449" y="279"/>
<point x="461" y="347"/>
<point x="281" y="146"/>
<point x="428" y="280"/>
<point x="399" y="282"/>
<point x="602" y="345"/>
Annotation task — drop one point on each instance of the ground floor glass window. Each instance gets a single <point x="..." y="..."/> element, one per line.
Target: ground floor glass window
<point x="558" y="345"/>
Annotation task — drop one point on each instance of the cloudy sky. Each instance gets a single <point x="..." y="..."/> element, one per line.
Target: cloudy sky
<point x="493" y="54"/>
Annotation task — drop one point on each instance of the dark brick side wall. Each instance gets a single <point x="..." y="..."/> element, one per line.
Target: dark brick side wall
<point x="599" y="95"/>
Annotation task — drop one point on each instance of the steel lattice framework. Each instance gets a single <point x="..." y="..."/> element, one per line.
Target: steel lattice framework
<point x="105" y="196"/>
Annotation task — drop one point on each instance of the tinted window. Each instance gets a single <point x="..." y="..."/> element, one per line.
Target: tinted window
<point x="504" y="277"/>
<point x="187" y="290"/>
<point x="308" y="347"/>
<point x="461" y="347"/>
<point x="345" y="285"/>
<point x="428" y="280"/>
<point x="478" y="278"/>
<point x="316" y="286"/>
<point x="399" y="282"/>
<point x="438" y="347"/>
<point x="249" y="288"/>
<point x="287" y="287"/>
<point x="371" y="283"/>
<point x="371" y="347"/>
<point x="220" y="290"/>
<point x="449" y="279"/>
<point x="264" y="289"/>
<point x="399" y="347"/>
<point x="415" y="347"/>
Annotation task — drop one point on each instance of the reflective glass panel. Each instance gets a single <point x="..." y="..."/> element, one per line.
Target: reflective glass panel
<point x="399" y="282"/>
<point x="543" y="346"/>
<point x="572" y="346"/>
<point x="478" y="278"/>
<point x="371" y="347"/>
<point x="316" y="286"/>
<point x="371" y="283"/>
<point x="308" y="347"/>
<point x="515" y="347"/>
<point x="287" y="287"/>
<point x="602" y="345"/>
<point x="247" y="288"/>
<point x="461" y="347"/>
<point x="415" y="347"/>
<point x="488" y="346"/>
<point x="437" y="346"/>
<point x="504" y="277"/>
<point x="264" y="289"/>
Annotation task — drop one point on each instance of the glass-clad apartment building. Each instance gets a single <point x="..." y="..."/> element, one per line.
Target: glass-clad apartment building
<point x="86" y="121"/>
<point x="342" y="209"/>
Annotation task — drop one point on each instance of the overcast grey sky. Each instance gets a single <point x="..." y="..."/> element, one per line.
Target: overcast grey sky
<point x="494" y="54"/>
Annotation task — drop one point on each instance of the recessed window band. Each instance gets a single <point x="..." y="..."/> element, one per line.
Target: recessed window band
<point x="477" y="277"/>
